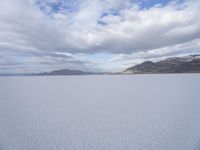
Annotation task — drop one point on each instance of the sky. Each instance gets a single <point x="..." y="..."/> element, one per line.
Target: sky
<point x="95" y="35"/>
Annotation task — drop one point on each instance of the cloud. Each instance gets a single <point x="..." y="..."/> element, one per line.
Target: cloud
<point x="39" y="32"/>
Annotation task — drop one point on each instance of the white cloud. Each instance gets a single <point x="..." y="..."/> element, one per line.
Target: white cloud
<point x="33" y="28"/>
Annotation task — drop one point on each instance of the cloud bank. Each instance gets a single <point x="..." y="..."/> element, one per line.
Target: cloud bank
<point x="99" y="35"/>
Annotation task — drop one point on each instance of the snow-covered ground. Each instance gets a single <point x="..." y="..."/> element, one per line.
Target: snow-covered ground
<point x="140" y="112"/>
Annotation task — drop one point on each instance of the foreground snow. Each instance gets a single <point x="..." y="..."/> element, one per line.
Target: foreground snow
<point x="141" y="112"/>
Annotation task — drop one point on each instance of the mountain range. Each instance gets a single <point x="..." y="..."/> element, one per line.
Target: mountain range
<point x="187" y="64"/>
<point x="66" y="72"/>
<point x="63" y="72"/>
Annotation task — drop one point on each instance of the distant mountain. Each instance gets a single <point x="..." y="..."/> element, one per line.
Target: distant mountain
<point x="188" y="64"/>
<point x="65" y="72"/>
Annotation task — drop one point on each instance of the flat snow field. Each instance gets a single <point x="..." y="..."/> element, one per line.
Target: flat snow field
<point x="128" y="112"/>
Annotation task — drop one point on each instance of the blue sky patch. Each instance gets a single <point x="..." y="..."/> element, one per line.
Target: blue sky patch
<point x="150" y="3"/>
<point x="146" y="4"/>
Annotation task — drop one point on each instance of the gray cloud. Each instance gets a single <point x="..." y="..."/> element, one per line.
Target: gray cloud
<point x="36" y="33"/>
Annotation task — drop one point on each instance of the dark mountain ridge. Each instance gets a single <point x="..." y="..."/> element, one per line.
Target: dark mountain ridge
<point x="188" y="64"/>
